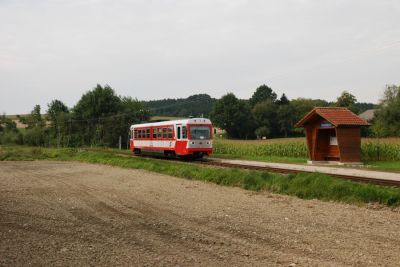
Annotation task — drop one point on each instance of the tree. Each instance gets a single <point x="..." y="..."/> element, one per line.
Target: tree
<point x="233" y="116"/>
<point x="262" y="131"/>
<point x="56" y="114"/>
<point x="100" y="117"/>
<point x="34" y="119"/>
<point x="8" y="131"/>
<point x="132" y="112"/>
<point x="261" y="94"/>
<point x="36" y="133"/>
<point x="286" y="119"/>
<point x="55" y="108"/>
<point x="265" y="114"/>
<point x="283" y="100"/>
<point x="7" y="124"/>
<point x="92" y="111"/>
<point x="387" y="117"/>
<point x="347" y="100"/>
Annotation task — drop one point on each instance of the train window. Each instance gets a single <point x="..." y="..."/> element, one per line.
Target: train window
<point x="135" y="134"/>
<point x="148" y="133"/>
<point x="178" y="132"/>
<point x="170" y="132"/>
<point x="200" y="132"/>
<point x="154" y="130"/>
<point x="184" y="132"/>
<point x="164" y="132"/>
<point x="159" y="133"/>
<point x="140" y="133"/>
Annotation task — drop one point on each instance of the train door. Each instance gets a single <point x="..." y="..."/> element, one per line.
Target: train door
<point x="180" y="144"/>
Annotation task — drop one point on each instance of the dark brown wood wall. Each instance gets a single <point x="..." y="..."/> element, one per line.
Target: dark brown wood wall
<point x="349" y="141"/>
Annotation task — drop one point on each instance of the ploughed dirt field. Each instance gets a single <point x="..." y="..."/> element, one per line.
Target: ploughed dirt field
<point x="67" y="213"/>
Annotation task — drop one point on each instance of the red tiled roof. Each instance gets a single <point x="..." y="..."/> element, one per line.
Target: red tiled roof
<point x="336" y="116"/>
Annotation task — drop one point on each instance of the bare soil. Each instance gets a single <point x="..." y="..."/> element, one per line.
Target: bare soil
<point x="66" y="213"/>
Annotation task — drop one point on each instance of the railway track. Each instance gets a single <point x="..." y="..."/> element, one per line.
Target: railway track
<point x="289" y="171"/>
<point x="220" y="163"/>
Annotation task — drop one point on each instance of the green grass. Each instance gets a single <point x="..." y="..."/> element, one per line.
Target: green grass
<point x="384" y="165"/>
<point x="306" y="186"/>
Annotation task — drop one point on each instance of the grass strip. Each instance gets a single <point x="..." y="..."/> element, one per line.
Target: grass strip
<point x="302" y="185"/>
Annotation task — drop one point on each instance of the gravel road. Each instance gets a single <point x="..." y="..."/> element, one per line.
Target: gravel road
<point x="67" y="213"/>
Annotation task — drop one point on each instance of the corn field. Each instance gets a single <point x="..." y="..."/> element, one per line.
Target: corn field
<point x="373" y="149"/>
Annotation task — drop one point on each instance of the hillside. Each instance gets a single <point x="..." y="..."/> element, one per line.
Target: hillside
<point x="195" y="105"/>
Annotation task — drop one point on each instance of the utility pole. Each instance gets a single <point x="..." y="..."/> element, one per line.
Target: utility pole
<point x="119" y="142"/>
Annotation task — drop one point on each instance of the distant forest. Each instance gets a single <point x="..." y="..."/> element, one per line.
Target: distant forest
<point x="264" y="114"/>
<point x="202" y="104"/>
<point x="193" y="106"/>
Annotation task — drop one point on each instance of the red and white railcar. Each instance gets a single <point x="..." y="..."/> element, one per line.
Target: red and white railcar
<point x="189" y="137"/>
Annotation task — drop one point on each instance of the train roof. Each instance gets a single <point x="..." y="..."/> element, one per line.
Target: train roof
<point x="184" y="121"/>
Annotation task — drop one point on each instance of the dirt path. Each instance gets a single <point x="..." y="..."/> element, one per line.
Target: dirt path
<point x="61" y="213"/>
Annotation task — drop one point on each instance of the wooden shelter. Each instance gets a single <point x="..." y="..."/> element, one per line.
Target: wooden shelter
<point x="333" y="134"/>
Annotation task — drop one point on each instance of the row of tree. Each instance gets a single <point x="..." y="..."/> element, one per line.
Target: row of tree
<point x="266" y="115"/>
<point x="101" y="117"/>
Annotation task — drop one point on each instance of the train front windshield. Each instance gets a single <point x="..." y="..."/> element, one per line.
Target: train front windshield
<point x="200" y="132"/>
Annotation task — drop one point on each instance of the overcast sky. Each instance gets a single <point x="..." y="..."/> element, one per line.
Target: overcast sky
<point x="153" y="49"/>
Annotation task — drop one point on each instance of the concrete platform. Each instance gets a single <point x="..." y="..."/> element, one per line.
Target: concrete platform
<point x="320" y="169"/>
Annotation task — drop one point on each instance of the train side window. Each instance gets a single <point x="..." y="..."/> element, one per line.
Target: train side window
<point x="184" y="132"/>
<point x="164" y="132"/>
<point x="178" y="132"/>
<point x="154" y="130"/>
<point x="159" y="133"/>
<point x="170" y="132"/>
<point x="135" y="134"/>
<point x="140" y="133"/>
<point x="148" y="133"/>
